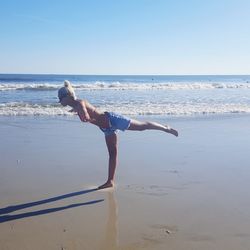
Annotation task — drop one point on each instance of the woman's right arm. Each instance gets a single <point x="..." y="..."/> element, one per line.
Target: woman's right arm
<point x="82" y="112"/>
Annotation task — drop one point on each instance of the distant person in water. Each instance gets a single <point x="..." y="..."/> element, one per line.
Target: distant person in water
<point x="109" y="123"/>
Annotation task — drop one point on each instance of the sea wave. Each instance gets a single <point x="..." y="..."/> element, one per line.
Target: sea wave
<point x="124" y="86"/>
<point x="20" y="86"/>
<point x="24" y="109"/>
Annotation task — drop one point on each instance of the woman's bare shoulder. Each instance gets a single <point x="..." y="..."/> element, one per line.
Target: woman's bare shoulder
<point x="83" y="102"/>
<point x="87" y="104"/>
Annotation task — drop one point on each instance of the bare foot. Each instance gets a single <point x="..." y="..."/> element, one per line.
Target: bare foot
<point x="108" y="184"/>
<point x="171" y="131"/>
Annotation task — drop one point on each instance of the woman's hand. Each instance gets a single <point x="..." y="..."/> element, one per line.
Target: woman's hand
<point x="72" y="111"/>
<point x="83" y="117"/>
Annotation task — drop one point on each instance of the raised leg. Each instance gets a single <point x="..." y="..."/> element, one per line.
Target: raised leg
<point x="140" y="126"/>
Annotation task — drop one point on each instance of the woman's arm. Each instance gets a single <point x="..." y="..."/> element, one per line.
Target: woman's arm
<point x="82" y="112"/>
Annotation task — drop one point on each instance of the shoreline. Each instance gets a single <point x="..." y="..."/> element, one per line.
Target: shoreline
<point x="207" y="116"/>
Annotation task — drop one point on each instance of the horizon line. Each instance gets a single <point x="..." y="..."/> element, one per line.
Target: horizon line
<point x="77" y="74"/>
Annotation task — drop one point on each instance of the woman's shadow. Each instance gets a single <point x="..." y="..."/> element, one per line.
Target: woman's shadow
<point x="10" y="209"/>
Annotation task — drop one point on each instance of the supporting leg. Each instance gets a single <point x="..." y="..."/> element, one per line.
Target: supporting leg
<point x="111" y="142"/>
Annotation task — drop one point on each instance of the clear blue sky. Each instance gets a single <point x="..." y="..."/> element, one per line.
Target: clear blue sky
<point x="125" y="36"/>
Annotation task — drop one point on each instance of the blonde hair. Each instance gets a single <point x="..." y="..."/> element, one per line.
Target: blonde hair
<point x="70" y="89"/>
<point x="67" y="90"/>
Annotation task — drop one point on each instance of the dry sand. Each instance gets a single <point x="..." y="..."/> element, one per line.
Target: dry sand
<point x="190" y="192"/>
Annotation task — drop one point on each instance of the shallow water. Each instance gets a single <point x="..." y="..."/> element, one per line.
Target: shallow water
<point x="130" y="95"/>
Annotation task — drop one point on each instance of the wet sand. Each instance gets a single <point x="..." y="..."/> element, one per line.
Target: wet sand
<point x="190" y="192"/>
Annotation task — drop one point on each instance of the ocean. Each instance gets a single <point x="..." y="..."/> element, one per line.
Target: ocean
<point x="36" y="95"/>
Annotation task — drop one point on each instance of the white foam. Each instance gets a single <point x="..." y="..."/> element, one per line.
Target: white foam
<point x="126" y="86"/>
<point x="179" y="109"/>
<point x="23" y="109"/>
<point x="42" y="86"/>
<point x="183" y="109"/>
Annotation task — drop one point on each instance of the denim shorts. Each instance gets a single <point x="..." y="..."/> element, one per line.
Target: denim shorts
<point x="116" y="122"/>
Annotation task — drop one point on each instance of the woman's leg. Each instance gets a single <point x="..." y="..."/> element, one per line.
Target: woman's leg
<point x="111" y="142"/>
<point x="140" y="126"/>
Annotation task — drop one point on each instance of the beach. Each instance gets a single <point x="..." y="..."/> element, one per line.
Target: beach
<point x="190" y="192"/>
<point x="182" y="177"/>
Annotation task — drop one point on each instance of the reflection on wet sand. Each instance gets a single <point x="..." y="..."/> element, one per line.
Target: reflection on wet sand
<point x="111" y="236"/>
<point x="147" y="240"/>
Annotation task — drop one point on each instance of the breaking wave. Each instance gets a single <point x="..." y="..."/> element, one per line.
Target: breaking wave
<point x="125" y="86"/>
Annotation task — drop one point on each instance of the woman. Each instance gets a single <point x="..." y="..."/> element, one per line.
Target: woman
<point x="109" y="123"/>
